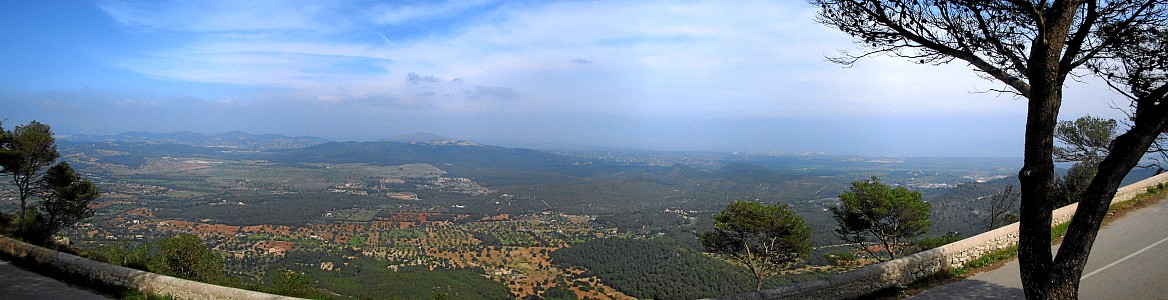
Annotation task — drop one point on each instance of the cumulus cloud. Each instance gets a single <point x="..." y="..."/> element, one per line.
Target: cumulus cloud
<point x="751" y="59"/>
<point x="414" y="78"/>
<point x="639" y="74"/>
<point x="654" y="52"/>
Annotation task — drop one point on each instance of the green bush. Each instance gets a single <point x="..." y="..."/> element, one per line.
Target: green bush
<point x="186" y="256"/>
<point x="291" y="283"/>
<point x="139" y="257"/>
<point x="936" y="241"/>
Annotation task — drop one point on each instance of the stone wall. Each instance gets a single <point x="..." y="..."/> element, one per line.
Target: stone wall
<point x="905" y="270"/>
<point x="125" y="277"/>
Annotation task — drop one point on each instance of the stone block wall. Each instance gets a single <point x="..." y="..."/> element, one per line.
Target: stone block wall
<point x="126" y="277"/>
<point x="905" y="270"/>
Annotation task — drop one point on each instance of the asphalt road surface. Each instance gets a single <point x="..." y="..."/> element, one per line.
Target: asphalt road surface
<point x="1129" y="261"/>
<point x="16" y="283"/>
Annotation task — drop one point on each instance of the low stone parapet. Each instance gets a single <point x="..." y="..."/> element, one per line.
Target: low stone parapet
<point x="113" y="275"/>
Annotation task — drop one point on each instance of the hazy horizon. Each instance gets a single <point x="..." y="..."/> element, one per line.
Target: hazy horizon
<point x="703" y="76"/>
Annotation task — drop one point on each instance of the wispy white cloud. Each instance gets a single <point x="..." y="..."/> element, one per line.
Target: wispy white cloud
<point x="224" y="15"/>
<point x="396" y="14"/>
<point x="636" y="60"/>
<point x="656" y="74"/>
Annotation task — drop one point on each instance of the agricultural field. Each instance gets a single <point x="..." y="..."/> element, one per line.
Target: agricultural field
<point x="372" y="214"/>
<point x="352" y="216"/>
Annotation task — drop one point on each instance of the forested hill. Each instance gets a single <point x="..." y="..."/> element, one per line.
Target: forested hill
<point x="964" y="208"/>
<point x="491" y="164"/>
<point x="130" y="154"/>
<point x="234" y="139"/>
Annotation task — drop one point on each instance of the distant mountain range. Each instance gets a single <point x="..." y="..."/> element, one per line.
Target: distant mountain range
<point x="243" y="140"/>
<point x="418" y="137"/>
<point x="234" y="139"/>
<point x="458" y="157"/>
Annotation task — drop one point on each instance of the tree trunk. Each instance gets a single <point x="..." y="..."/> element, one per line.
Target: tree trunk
<point x="1063" y="287"/>
<point x="1037" y="178"/>
<point x="1125" y="153"/>
<point x="1044" y="278"/>
<point x="1047" y="277"/>
<point x="23" y="191"/>
<point x="1037" y="185"/>
<point x="757" y="282"/>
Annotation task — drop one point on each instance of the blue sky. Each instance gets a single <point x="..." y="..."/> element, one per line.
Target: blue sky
<point x="668" y="75"/>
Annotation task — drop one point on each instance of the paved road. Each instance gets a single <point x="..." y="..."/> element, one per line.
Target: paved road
<point x="1129" y="261"/>
<point x="16" y="283"/>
